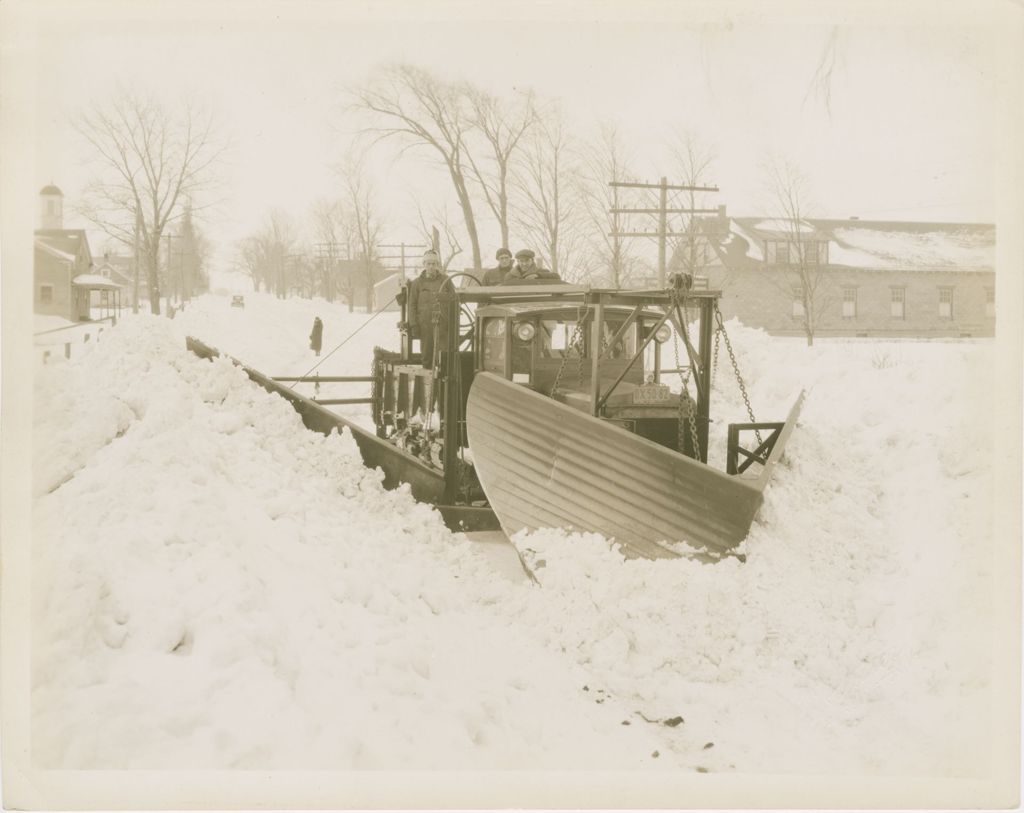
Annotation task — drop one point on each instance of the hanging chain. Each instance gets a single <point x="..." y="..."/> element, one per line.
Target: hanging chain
<point x="687" y="407"/>
<point x="574" y="342"/>
<point x="736" y="369"/>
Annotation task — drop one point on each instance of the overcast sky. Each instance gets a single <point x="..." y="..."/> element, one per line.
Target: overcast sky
<point x="906" y="133"/>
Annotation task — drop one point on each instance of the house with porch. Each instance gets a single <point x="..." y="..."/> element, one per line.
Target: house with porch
<point x="64" y="282"/>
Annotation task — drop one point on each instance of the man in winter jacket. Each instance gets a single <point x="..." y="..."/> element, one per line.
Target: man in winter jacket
<point x="423" y="306"/>
<point x="496" y="276"/>
<point x="527" y="271"/>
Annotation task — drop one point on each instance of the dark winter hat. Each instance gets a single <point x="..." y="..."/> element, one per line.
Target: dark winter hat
<point x="524" y="254"/>
<point x="502" y="252"/>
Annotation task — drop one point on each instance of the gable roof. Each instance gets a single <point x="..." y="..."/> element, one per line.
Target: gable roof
<point x="864" y="244"/>
<point x="46" y="248"/>
<point x="67" y="241"/>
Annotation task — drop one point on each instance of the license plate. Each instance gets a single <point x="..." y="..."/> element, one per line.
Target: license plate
<point x="652" y="394"/>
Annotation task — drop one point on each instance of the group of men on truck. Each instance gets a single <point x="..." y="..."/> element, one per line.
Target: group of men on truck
<point x="423" y="292"/>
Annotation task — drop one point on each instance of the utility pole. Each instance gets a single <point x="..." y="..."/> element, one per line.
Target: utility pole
<point x="400" y="256"/>
<point x="295" y="261"/>
<point x="662" y="234"/>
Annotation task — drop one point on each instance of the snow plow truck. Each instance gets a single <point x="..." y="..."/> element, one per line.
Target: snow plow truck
<point x="549" y="405"/>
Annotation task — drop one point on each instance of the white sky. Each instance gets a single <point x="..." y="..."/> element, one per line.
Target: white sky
<point x="910" y="135"/>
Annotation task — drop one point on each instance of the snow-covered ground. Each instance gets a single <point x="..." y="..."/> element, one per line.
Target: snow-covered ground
<point x="215" y="587"/>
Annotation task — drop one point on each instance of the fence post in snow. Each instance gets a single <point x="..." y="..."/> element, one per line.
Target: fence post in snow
<point x="46" y="356"/>
<point x="67" y="350"/>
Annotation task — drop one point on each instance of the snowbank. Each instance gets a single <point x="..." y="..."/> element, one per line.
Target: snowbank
<point x="216" y="587"/>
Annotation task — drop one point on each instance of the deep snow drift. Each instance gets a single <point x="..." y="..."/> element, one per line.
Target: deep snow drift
<point x="216" y="587"/>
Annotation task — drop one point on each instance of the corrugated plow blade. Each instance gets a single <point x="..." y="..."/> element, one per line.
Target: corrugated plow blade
<point x="546" y="465"/>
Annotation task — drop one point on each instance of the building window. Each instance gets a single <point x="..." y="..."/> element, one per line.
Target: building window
<point x="990" y="301"/>
<point x="849" y="303"/>
<point x="51" y="207"/>
<point x="811" y="253"/>
<point x="945" y="303"/>
<point x="46" y="294"/>
<point x="782" y="253"/>
<point x="898" y="299"/>
<point x="798" y="303"/>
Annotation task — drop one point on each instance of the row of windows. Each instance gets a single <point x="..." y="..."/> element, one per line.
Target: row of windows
<point x="784" y="253"/>
<point x="897" y="302"/>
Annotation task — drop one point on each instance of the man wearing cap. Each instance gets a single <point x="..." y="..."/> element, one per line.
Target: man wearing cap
<point x="496" y="276"/>
<point x="423" y="306"/>
<point x="526" y="270"/>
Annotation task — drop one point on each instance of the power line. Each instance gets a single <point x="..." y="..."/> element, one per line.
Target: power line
<point x="662" y="234"/>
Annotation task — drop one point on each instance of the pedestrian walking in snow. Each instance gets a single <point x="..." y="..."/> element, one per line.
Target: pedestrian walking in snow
<point x="316" y="337"/>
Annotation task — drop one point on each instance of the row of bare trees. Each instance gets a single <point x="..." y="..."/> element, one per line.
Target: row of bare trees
<point x="514" y="165"/>
<point x="155" y="163"/>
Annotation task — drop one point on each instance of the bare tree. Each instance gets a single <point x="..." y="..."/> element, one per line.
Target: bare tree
<point x="693" y="162"/>
<point x="267" y="255"/>
<point x="829" y="63"/>
<point x="604" y="161"/>
<point x="331" y="235"/>
<point x="800" y="270"/>
<point x="453" y="246"/>
<point x="149" y="160"/>
<point x="502" y="125"/>
<point x="411" y="104"/>
<point x="545" y="182"/>
<point x="367" y="223"/>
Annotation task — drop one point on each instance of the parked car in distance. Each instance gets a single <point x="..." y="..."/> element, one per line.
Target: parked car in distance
<point x="238" y="301"/>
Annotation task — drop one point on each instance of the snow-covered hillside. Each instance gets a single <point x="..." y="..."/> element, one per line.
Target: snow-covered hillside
<point x="216" y="587"/>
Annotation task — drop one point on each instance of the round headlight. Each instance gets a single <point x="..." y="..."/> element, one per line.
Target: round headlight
<point x="663" y="334"/>
<point x="525" y="331"/>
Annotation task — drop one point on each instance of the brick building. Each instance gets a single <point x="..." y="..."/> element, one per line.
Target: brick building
<point x="868" y="278"/>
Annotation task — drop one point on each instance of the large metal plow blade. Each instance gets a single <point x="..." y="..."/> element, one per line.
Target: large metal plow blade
<point x="546" y="465"/>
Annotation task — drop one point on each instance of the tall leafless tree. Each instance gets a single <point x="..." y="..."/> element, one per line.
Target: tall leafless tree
<point x="150" y="159"/>
<point x="268" y="254"/>
<point x="801" y="273"/>
<point x="605" y="160"/>
<point x="545" y="184"/>
<point x="502" y="124"/>
<point x="330" y="233"/>
<point x="452" y="247"/>
<point x="366" y="219"/>
<point x="693" y="159"/>
<point x="412" y="104"/>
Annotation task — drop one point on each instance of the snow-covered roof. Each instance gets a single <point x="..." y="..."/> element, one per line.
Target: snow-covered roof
<point x="754" y="248"/>
<point x="782" y="226"/>
<point x="962" y="250"/>
<point x="94" y="281"/>
<point x="42" y="245"/>
<point x="871" y="245"/>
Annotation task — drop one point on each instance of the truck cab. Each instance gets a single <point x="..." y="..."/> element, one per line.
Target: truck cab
<point x="550" y="348"/>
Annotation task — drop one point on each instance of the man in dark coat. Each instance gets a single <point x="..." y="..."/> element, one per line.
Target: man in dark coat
<point x="423" y="306"/>
<point x="496" y="276"/>
<point x="526" y="270"/>
<point x="316" y="337"/>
